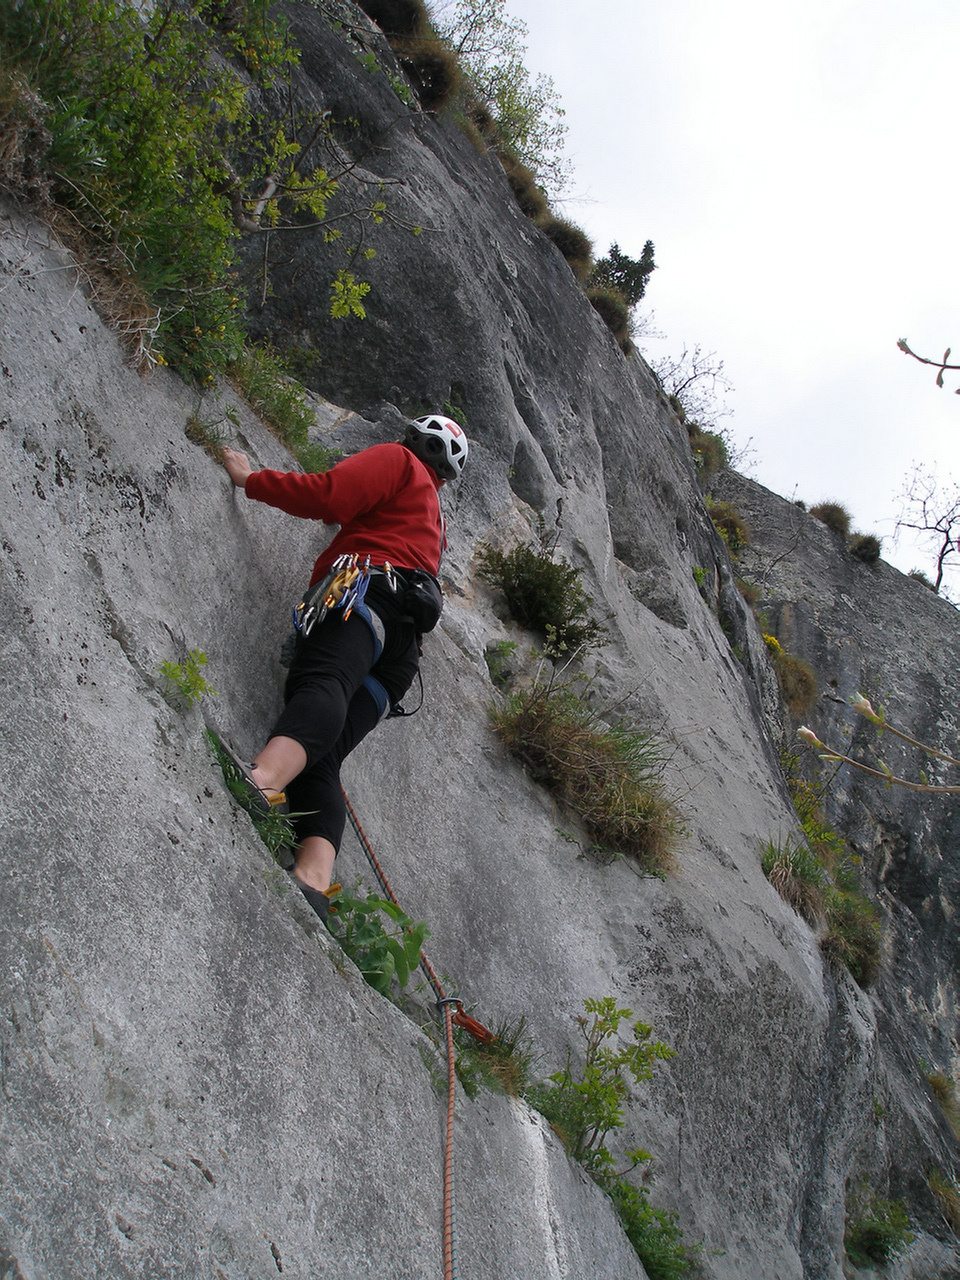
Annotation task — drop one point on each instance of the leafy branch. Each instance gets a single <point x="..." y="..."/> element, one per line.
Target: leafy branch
<point x="883" y="772"/>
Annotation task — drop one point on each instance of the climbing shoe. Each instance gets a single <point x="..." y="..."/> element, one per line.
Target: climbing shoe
<point x="257" y="799"/>
<point x="320" y="901"/>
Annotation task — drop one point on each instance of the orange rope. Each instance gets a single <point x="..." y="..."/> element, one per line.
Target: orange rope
<point x="462" y="1019"/>
<point x="449" y="1253"/>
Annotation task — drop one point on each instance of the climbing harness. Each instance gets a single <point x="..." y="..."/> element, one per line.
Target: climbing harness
<point x="444" y="1003"/>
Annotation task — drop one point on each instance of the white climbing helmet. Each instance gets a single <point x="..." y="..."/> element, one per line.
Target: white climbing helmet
<point x="439" y="442"/>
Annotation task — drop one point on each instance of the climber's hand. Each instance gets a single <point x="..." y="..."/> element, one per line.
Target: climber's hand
<point x="238" y="468"/>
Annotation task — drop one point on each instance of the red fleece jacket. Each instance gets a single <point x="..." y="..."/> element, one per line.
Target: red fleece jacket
<point x="384" y="500"/>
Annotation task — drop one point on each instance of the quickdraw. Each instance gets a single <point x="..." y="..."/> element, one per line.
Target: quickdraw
<point x="344" y="587"/>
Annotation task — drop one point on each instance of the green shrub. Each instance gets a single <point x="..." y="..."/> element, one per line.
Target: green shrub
<point x="877" y="1231"/>
<point x="383" y="954"/>
<point x="184" y="681"/>
<point x="797" y="875"/>
<point x="730" y="525"/>
<point x="919" y="576"/>
<point x="610" y="776"/>
<point x="583" y="1107"/>
<point x="543" y="593"/>
<point x="852" y="938"/>
<point x="574" y="244"/>
<point x="613" y="311"/>
<point x="865" y="547"/>
<point x="749" y="590"/>
<point x="851" y="929"/>
<point x="499" y="660"/>
<point x="834" y="516"/>
<point x="807" y="797"/>
<point x="154" y="162"/>
<point x="654" y="1234"/>
<point x="259" y="374"/>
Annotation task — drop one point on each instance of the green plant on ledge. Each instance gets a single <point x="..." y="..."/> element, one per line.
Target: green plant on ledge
<point x="877" y="1230"/>
<point x="585" y="1106"/>
<point x="544" y="593"/>
<point x="260" y="375"/>
<point x="185" y="680"/>
<point x="382" y="953"/>
<point x="730" y="525"/>
<point x="944" y="1091"/>
<point x="797" y="680"/>
<point x="817" y="878"/>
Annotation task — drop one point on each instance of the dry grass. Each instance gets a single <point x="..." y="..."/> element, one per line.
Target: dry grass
<point x="798" y="683"/>
<point x="610" y="777"/>
<point x="798" y="877"/>
<point x="945" y="1092"/>
<point x="947" y="1194"/>
<point x="834" y="516"/>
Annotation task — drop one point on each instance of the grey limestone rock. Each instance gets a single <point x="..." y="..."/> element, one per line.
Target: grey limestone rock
<point x="196" y="1081"/>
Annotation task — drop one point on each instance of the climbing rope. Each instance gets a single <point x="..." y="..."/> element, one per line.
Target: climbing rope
<point x="476" y="1029"/>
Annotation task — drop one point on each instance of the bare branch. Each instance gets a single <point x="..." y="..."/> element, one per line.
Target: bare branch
<point x="940" y="365"/>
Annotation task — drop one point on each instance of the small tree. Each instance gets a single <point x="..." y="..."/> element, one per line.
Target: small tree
<point x="526" y="111"/>
<point x="628" y="276"/>
<point x="934" y="512"/>
<point x="695" y="380"/>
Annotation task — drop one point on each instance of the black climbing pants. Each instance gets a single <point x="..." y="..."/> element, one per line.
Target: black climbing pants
<point x="329" y="709"/>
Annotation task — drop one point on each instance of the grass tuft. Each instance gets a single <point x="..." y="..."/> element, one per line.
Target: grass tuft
<point x="709" y="450"/>
<point x="947" y="1195"/>
<point x="730" y="525"/>
<point x="945" y="1091"/>
<point x="573" y="243"/>
<point x="797" y="875"/>
<point x="865" y="547"/>
<point x="504" y="1065"/>
<point x="610" y="776"/>
<point x="613" y="311"/>
<point x="798" y="682"/>
<point x="433" y="69"/>
<point x="834" y="516"/>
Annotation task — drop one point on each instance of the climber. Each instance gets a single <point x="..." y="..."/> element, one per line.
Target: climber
<point x="357" y="660"/>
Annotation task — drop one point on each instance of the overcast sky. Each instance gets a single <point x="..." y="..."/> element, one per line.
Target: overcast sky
<point x="796" y="168"/>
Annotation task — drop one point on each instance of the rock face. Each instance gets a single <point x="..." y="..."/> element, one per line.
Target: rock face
<point x="196" y="1081"/>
